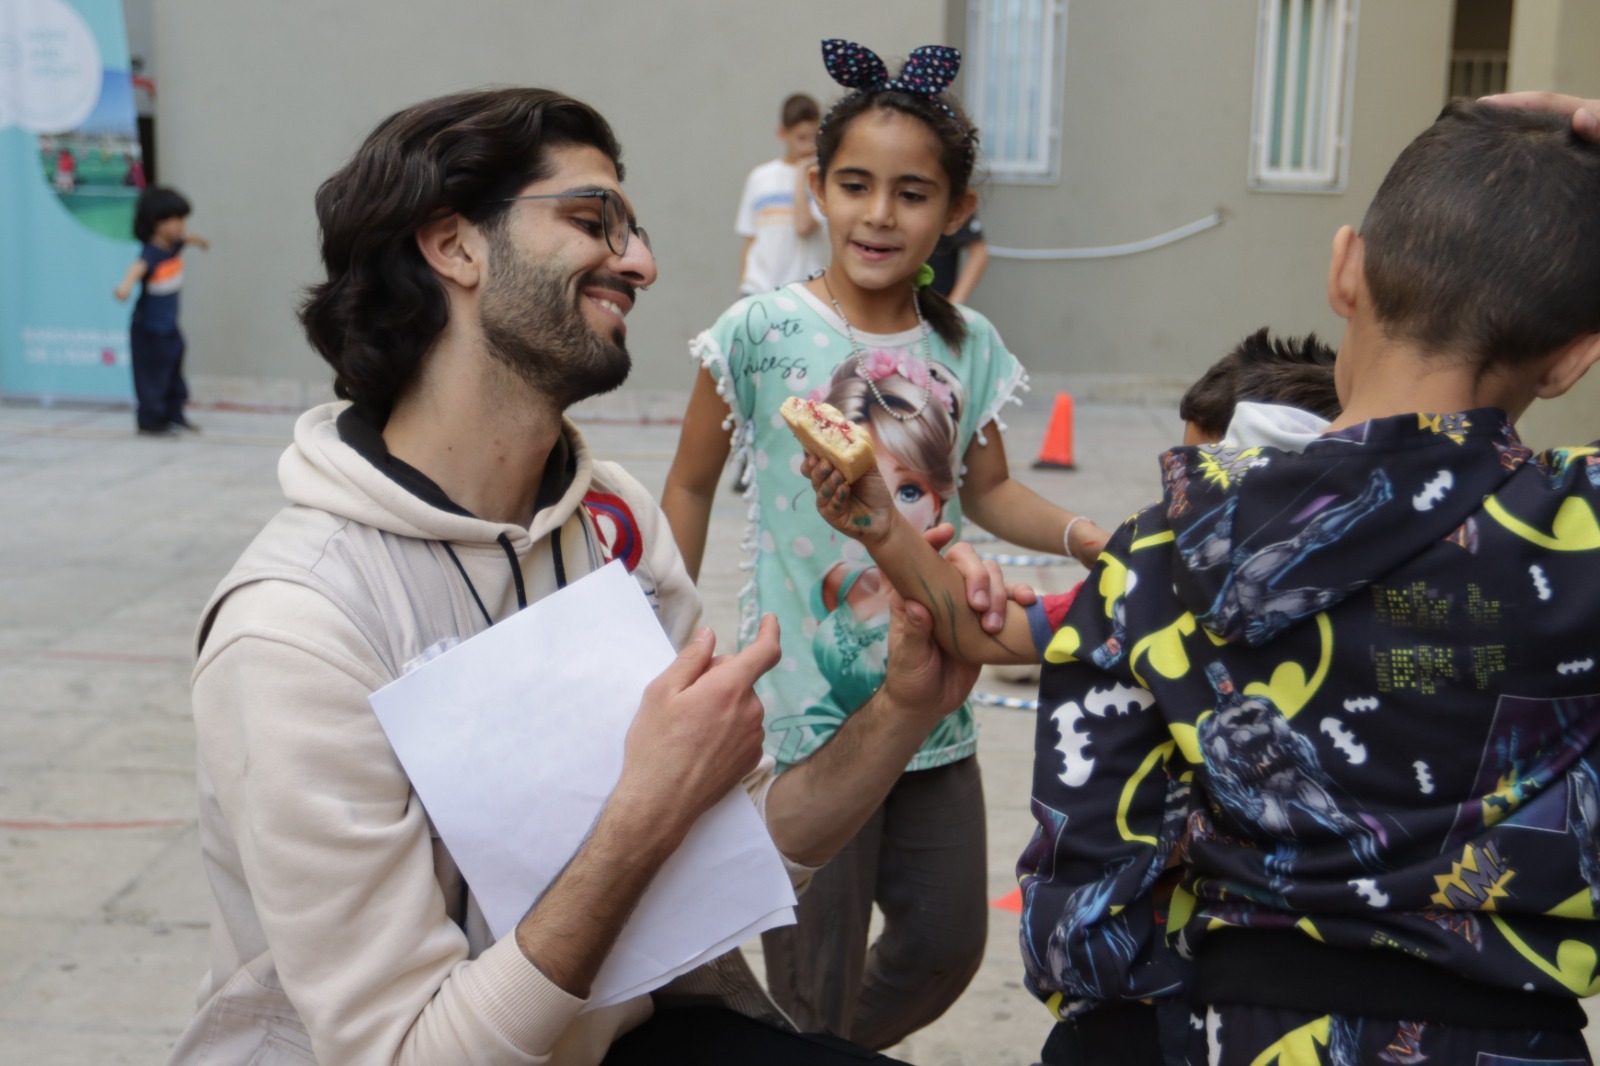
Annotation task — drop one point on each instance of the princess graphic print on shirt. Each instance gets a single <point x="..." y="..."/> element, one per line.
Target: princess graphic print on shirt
<point x="832" y="604"/>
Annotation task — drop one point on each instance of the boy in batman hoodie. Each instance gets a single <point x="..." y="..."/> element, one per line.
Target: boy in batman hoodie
<point x="1351" y="690"/>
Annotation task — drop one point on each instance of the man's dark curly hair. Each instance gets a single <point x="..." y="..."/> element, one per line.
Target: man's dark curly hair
<point x="382" y="307"/>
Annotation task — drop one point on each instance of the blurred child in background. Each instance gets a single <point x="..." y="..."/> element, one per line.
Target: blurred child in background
<point x="160" y="222"/>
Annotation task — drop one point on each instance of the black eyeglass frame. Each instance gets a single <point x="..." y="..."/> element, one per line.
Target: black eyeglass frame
<point x="606" y="198"/>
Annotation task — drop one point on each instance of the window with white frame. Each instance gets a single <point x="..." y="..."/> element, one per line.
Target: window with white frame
<point x="1014" y="57"/>
<point x="1305" y="70"/>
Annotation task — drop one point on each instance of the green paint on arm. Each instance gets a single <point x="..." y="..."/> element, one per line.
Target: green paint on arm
<point x="955" y="633"/>
<point x="949" y="613"/>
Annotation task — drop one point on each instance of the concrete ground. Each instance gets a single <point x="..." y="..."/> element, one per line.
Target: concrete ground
<point x="109" y="546"/>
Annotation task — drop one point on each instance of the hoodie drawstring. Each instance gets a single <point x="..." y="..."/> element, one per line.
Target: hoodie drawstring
<point x="516" y="571"/>
<point x="470" y="586"/>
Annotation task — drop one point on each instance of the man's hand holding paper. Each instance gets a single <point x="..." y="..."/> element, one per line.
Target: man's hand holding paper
<point x="698" y="732"/>
<point x="566" y="756"/>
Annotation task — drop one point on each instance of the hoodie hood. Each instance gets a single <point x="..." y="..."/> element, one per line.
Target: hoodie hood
<point x="321" y="470"/>
<point x="1274" y="425"/>
<point x="1264" y="537"/>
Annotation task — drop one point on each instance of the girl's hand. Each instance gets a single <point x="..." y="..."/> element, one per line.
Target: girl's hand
<point x="122" y="292"/>
<point x="862" y="511"/>
<point x="1085" y="541"/>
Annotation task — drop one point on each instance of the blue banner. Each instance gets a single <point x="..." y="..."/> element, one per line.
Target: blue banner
<point x="70" y="175"/>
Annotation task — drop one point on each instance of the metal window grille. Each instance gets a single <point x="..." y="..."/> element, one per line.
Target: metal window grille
<point x="1305" y="67"/>
<point x="1478" y="73"/>
<point x="1015" y="57"/>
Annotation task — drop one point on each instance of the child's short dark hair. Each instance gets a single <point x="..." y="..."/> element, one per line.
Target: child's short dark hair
<point x="156" y="205"/>
<point x="799" y="108"/>
<point x="1484" y="238"/>
<point x="1294" y="371"/>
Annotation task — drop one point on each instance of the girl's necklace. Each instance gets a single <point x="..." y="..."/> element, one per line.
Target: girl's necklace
<point x="855" y="350"/>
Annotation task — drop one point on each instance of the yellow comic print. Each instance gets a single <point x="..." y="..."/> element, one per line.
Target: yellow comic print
<point x="1476" y="882"/>
<point x="1453" y="426"/>
<point x="1164" y="650"/>
<point x="1298" y="1047"/>
<point x="1575" y="967"/>
<point x="1223" y="466"/>
<point x="1289" y="689"/>
<point x="1575" y="528"/>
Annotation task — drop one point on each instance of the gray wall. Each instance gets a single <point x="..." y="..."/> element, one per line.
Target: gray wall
<point x="1156" y="129"/>
<point x="136" y="15"/>
<point x="260" y="102"/>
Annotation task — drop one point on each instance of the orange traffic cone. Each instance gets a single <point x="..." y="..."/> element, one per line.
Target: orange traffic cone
<point x="1056" y="454"/>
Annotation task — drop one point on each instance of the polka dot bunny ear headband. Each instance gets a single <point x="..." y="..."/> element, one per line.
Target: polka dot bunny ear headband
<point x="927" y="72"/>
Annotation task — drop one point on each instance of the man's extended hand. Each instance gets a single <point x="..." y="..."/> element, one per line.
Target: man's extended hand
<point x="1585" y="113"/>
<point x="697" y="734"/>
<point x="922" y="680"/>
<point x="987" y="588"/>
<point x="698" y="731"/>
<point x="819" y="804"/>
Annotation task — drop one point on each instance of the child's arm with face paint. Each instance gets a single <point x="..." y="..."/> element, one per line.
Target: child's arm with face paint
<point x="865" y="512"/>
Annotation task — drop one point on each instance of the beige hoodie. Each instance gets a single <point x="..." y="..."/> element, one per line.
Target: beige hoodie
<point x="341" y="930"/>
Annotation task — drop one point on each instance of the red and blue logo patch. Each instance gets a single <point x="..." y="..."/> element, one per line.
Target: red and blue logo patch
<point x="616" y="528"/>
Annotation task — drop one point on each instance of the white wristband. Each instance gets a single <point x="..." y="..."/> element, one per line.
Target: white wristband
<point x="1066" y="534"/>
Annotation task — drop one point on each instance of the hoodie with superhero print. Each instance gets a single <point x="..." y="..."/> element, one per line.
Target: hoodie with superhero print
<point x="1347" y="698"/>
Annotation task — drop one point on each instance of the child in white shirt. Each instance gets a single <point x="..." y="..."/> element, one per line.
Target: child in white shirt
<point x="783" y="238"/>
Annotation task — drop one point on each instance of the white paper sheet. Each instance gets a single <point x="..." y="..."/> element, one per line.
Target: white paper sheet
<point x="513" y="740"/>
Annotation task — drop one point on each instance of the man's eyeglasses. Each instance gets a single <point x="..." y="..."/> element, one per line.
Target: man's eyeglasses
<point x="613" y="215"/>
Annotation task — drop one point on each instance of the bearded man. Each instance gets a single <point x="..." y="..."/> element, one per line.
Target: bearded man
<point x="481" y="262"/>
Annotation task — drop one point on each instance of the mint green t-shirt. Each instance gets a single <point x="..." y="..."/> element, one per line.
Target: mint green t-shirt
<point x="830" y="601"/>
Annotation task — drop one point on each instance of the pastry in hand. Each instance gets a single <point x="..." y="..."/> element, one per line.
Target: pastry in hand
<point x="829" y="435"/>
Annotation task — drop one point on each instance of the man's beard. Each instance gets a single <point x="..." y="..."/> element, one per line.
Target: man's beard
<point x="534" y="327"/>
